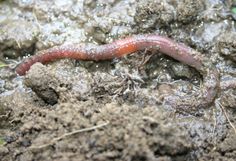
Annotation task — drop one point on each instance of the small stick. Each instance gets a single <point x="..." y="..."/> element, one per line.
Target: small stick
<point x="226" y="115"/>
<point x="68" y="134"/>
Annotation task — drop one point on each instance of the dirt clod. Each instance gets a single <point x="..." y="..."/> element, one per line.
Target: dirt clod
<point x="42" y="83"/>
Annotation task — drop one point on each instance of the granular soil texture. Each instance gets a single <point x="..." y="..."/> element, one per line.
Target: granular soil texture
<point x="114" y="110"/>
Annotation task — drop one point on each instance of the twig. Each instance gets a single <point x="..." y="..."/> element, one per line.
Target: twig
<point x="68" y="134"/>
<point x="226" y="115"/>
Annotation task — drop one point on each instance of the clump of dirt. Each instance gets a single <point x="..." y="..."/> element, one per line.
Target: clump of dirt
<point x="153" y="14"/>
<point x="188" y="11"/>
<point x="228" y="98"/>
<point x="42" y="83"/>
<point x="227" y="45"/>
<point x="150" y="13"/>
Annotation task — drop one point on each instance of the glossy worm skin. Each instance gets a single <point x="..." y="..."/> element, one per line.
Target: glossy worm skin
<point x="130" y="45"/>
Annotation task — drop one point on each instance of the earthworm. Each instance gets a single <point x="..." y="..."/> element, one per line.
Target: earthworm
<point x="130" y="45"/>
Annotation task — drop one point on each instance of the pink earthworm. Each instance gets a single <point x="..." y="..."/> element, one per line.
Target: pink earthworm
<point x="130" y="45"/>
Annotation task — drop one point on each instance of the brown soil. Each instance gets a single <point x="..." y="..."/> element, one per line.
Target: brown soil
<point x="114" y="110"/>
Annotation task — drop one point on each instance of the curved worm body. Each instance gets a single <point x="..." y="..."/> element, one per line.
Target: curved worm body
<point x="116" y="49"/>
<point x="127" y="46"/>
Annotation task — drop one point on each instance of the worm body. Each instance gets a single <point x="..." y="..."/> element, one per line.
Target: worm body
<point x="116" y="49"/>
<point x="130" y="45"/>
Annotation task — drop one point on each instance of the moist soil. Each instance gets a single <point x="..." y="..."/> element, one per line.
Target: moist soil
<point x="114" y="110"/>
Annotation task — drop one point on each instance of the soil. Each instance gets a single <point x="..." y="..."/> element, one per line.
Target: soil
<point x="114" y="110"/>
